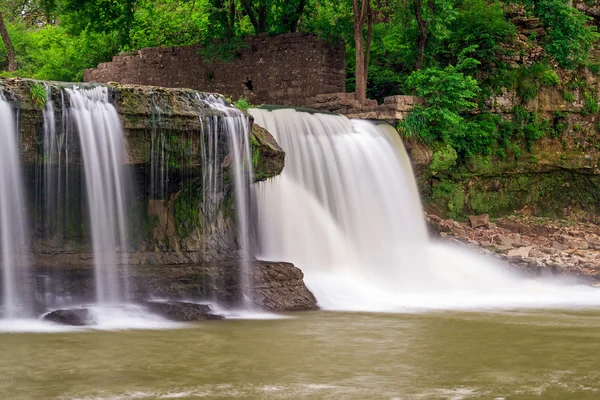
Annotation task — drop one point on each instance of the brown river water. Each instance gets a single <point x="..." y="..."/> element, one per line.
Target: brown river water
<point x="540" y="354"/>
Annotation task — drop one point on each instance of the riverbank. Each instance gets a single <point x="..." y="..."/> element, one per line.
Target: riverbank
<point x="534" y="245"/>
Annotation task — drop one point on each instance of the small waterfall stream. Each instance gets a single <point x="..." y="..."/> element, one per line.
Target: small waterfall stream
<point x="101" y="136"/>
<point x="16" y="292"/>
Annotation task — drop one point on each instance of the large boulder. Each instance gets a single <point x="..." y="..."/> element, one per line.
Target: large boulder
<point x="478" y="221"/>
<point x="72" y="316"/>
<point x="182" y="311"/>
<point x="275" y="286"/>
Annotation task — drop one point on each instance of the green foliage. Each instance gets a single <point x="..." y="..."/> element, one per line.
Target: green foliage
<point x="450" y="196"/>
<point x="447" y="93"/>
<point x="187" y="208"/>
<point x="477" y="136"/>
<point x="443" y="159"/>
<point x="38" y="95"/>
<point x="480" y="23"/>
<point x="594" y="68"/>
<point x="570" y="35"/>
<point x="590" y="103"/>
<point x="51" y="53"/>
<point x="530" y="80"/>
<point x="242" y="104"/>
<point x="568" y="96"/>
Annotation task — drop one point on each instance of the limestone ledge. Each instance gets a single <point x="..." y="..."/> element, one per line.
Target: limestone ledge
<point x="275" y="286"/>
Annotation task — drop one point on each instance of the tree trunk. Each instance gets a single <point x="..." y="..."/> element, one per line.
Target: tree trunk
<point x="368" y="46"/>
<point x="250" y="13"/>
<point x="360" y="12"/>
<point x="12" y="65"/>
<point x="423" y="34"/>
<point x="231" y="18"/>
<point x="262" y="16"/>
<point x="290" y="19"/>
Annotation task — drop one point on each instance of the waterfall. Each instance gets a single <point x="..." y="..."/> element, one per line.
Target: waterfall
<point x="346" y="211"/>
<point x="15" y="290"/>
<point x="234" y="125"/>
<point x="101" y="139"/>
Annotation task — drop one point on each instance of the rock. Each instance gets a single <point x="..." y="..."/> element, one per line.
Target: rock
<point x="182" y="311"/>
<point x="457" y="224"/>
<point x="72" y="316"/>
<point x="492" y="225"/>
<point x="519" y="252"/>
<point x="504" y="240"/>
<point x="477" y="221"/>
<point x="559" y="246"/>
<point x="501" y="248"/>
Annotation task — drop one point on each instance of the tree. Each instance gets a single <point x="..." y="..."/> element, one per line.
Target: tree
<point x="275" y="16"/>
<point x="12" y="65"/>
<point x="362" y="13"/>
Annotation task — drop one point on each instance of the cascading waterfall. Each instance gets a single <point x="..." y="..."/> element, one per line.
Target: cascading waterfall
<point x="235" y="126"/>
<point x="16" y="293"/>
<point x="101" y="139"/>
<point x="346" y="210"/>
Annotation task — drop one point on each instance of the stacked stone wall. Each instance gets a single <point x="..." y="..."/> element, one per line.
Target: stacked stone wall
<point x="290" y="69"/>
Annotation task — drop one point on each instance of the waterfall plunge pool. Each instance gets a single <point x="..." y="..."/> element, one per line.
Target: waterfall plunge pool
<point x="549" y="354"/>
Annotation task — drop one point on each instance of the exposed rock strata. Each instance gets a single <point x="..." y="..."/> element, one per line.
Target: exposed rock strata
<point x="275" y="286"/>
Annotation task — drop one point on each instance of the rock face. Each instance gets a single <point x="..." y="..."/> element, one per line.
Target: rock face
<point x="275" y="286"/>
<point x="181" y="311"/>
<point x="165" y="132"/>
<point x="73" y="316"/>
<point x="536" y="246"/>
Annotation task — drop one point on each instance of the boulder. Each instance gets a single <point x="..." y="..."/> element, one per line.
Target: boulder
<point x="72" y="316"/>
<point x="519" y="252"/>
<point x="477" y="221"/>
<point x="182" y="311"/>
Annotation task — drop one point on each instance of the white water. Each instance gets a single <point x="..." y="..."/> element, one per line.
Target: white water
<point x="346" y="210"/>
<point x="234" y="124"/>
<point x="101" y="139"/>
<point x="15" y="291"/>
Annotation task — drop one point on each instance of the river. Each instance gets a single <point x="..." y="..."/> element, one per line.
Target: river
<point x="543" y="354"/>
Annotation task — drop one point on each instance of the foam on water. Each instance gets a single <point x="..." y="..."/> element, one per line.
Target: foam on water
<point x="109" y="318"/>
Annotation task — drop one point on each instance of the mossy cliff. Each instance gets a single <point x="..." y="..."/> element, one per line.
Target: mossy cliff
<point x="555" y="174"/>
<point x="165" y="132"/>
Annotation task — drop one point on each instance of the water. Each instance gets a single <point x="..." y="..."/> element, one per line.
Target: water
<point x="347" y="212"/>
<point x="518" y="355"/>
<point x="101" y="138"/>
<point x="16" y="296"/>
<point x="235" y="126"/>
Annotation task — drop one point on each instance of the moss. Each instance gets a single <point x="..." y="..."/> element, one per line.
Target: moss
<point x="483" y="201"/>
<point x="187" y="208"/>
<point x="449" y="196"/>
<point x="443" y="159"/>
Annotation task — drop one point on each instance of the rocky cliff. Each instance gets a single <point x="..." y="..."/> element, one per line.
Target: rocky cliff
<point x="166" y="132"/>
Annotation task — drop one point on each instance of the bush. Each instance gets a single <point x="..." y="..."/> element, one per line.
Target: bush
<point x="570" y="34"/>
<point x="481" y="23"/>
<point x="447" y="92"/>
<point x="590" y="104"/>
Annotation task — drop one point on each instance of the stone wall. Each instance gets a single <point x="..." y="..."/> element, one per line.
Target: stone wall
<point x="289" y="69"/>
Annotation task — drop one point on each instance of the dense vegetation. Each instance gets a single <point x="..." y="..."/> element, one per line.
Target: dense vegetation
<point x="454" y="53"/>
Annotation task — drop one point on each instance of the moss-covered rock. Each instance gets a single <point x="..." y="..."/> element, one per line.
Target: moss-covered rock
<point x="268" y="158"/>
